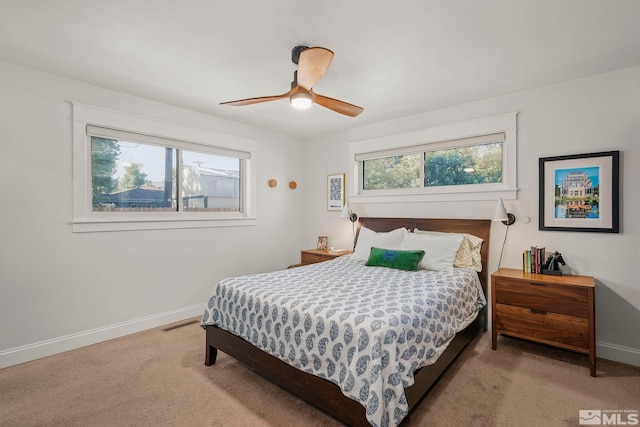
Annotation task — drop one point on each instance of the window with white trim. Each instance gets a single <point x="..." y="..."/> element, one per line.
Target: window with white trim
<point x="133" y="178"/>
<point x="138" y="173"/>
<point x="467" y="161"/>
<point x="464" y="161"/>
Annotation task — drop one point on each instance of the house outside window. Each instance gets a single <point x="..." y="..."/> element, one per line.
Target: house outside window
<point x="135" y="179"/>
<point x="129" y="176"/>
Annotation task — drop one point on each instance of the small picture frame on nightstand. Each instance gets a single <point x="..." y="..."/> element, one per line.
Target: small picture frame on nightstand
<point x="322" y="243"/>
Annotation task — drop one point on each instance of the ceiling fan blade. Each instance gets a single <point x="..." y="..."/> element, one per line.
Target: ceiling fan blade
<point x="312" y="65"/>
<point x="337" y="105"/>
<point x="250" y="101"/>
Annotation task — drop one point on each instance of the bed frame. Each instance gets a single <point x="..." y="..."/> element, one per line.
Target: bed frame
<point x="324" y="394"/>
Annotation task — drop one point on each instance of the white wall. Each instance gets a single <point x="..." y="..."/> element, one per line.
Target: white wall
<point x="598" y="113"/>
<point x="61" y="289"/>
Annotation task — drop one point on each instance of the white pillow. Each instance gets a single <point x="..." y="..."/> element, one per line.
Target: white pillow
<point x="368" y="238"/>
<point x="468" y="255"/>
<point x="439" y="250"/>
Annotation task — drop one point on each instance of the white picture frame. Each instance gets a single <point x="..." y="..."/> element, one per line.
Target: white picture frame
<point x="335" y="192"/>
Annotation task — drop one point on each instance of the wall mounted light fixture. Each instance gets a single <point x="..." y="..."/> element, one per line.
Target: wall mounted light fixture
<point x="507" y="219"/>
<point x="501" y="214"/>
<point x="349" y="214"/>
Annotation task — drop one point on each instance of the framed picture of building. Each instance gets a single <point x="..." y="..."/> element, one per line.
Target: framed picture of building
<point x="580" y="192"/>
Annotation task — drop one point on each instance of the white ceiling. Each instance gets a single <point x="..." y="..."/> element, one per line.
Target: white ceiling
<point x="394" y="58"/>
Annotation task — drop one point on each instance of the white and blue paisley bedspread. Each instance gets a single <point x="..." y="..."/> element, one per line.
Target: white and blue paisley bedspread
<point x="366" y="329"/>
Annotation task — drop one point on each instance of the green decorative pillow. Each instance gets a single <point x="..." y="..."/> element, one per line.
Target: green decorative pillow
<point x="393" y="258"/>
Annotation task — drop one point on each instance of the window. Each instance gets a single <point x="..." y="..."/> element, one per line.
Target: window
<point x="132" y="179"/>
<point x="401" y="171"/>
<point x="130" y="176"/>
<point x="464" y="161"/>
<point x="470" y="161"/>
<point x="474" y="164"/>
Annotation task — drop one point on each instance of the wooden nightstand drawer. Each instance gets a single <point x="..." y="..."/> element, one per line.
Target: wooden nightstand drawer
<point x="312" y="256"/>
<point x="548" y="297"/>
<point x="554" y="310"/>
<point x="551" y="328"/>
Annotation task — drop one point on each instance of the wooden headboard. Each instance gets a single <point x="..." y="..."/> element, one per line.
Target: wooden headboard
<point x="477" y="227"/>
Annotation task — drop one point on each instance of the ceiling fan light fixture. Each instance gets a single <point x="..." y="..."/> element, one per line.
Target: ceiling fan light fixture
<point x="301" y="100"/>
<point x="312" y="63"/>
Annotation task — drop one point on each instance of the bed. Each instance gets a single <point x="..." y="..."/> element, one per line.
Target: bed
<point x="316" y="370"/>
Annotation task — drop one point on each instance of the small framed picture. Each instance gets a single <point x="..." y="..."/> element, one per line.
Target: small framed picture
<point x="335" y="192"/>
<point x="580" y="192"/>
<point x="322" y="243"/>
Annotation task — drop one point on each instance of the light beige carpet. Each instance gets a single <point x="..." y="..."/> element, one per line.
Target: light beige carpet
<point x="158" y="378"/>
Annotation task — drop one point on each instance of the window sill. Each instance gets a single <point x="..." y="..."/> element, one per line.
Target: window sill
<point x="434" y="197"/>
<point x="90" y="226"/>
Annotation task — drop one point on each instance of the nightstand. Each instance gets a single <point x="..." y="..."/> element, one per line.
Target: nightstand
<point x="311" y="256"/>
<point x="553" y="310"/>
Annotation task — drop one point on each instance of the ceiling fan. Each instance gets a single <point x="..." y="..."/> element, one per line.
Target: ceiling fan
<point x="312" y="63"/>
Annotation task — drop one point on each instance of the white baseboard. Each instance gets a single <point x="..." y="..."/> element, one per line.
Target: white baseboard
<point x="618" y="353"/>
<point x="26" y="353"/>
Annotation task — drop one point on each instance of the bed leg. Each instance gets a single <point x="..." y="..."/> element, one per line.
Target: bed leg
<point x="211" y="354"/>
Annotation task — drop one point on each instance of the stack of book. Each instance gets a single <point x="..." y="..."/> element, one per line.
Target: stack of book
<point x="533" y="260"/>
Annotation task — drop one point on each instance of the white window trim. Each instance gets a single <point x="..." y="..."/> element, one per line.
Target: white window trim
<point x="86" y="220"/>
<point x="439" y="137"/>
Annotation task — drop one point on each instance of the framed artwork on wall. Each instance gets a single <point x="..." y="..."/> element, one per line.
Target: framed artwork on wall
<point x="580" y="192"/>
<point x="335" y="192"/>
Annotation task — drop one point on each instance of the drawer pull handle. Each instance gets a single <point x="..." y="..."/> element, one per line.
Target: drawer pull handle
<point x="533" y="310"/>
<point x="537" y="284"/>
